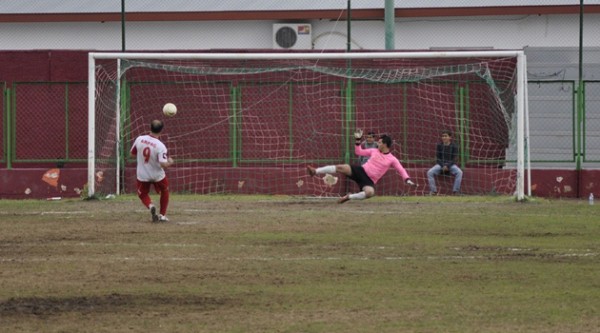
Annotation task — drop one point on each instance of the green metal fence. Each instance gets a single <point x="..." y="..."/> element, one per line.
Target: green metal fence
<point x="4" y="102"/>
<point x="591" y="129"/>
<point x="46" y="122"/>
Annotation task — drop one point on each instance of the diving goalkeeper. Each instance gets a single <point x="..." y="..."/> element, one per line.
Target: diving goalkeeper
<point x="367" y="175"/>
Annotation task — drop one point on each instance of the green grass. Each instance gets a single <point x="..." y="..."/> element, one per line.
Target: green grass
<point x="282" y="264"/>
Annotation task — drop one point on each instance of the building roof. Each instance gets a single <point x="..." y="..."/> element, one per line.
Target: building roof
<point x="177" y="10"/>
<point x="114" y="6"/>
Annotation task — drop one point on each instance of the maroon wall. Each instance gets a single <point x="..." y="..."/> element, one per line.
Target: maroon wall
<point x="545" y="183"/>
<point x="43" y="66"/>
<point x="28" y="183"/>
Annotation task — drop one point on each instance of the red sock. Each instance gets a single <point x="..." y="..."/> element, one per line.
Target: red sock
<point x="164" y="202"/>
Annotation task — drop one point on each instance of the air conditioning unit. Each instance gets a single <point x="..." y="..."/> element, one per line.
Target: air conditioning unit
<point x="292" y="36"/>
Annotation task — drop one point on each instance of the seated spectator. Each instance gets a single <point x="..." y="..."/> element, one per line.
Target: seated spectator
<point x="446" y="157"/>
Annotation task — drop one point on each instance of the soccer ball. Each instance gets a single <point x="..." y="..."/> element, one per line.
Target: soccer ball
<point x="330" y="180"/>
<point x="169" y="109"/>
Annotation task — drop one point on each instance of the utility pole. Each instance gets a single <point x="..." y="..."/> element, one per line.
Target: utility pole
<point x="390" y="25"/>
<point x="123" y="25"/>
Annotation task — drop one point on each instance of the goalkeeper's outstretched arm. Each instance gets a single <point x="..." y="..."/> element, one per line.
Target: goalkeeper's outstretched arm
<point x="358" y="135"/>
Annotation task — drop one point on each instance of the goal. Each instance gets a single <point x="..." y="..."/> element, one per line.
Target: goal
<point x="249" y="123"/>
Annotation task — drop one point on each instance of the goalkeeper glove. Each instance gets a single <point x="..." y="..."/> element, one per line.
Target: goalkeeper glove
<point x="410" y="183"/>
<point x="358" y="134"/>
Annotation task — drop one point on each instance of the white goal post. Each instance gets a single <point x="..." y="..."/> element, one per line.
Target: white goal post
<point x="262" y="104"/>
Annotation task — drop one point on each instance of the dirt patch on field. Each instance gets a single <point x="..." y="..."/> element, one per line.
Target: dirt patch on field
<point x="48" y="306"/>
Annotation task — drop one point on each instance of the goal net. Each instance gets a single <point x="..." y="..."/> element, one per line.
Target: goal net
<point x="251" y="123"/>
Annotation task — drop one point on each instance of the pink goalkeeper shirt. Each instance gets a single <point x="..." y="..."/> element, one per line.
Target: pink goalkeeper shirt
<point x="379" y="163"/>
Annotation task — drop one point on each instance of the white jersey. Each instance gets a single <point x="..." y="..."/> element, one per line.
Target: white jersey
<point x="150" y="153"/>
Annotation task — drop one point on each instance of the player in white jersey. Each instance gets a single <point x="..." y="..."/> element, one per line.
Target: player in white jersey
<point x="152" y="159"/>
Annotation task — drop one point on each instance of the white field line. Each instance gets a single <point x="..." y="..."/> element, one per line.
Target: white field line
<point x="299" y="259"/>
<point x="566" y="253"/>
<point x="361" y="210"/>
<point x="73" y="212"/>
<point x="347" y="209"/>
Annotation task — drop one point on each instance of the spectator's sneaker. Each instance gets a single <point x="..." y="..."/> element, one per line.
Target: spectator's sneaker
<point x="153" y="213"/>
<point x="410" y="183"/>
<point x="311" y="171"/>
<point x="344" y="199"/>
<point x="432" y="193"/>
<point x="163" y="218"/>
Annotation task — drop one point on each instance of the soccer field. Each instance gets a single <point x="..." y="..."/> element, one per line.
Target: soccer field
<point x="287" y="264"/>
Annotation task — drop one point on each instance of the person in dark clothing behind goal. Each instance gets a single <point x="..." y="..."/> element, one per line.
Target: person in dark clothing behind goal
<point x="446" y="154"/>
